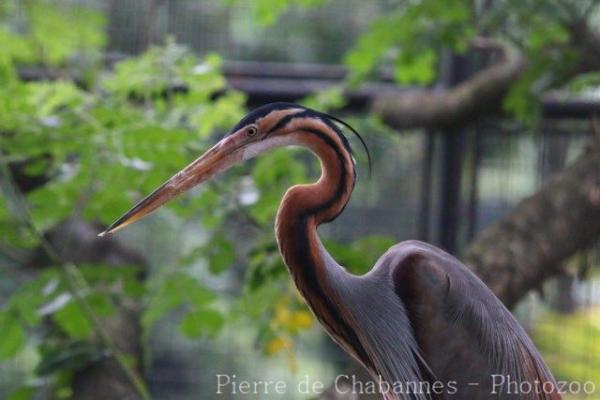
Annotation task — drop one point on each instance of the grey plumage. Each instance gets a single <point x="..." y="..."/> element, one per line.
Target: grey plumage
<point x="448" y="327"/>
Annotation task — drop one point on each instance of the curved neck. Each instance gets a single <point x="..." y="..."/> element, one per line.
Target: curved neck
<point x="325" y="199"/>
<point x="305" y="207"/>
<point x="302" y="209"/>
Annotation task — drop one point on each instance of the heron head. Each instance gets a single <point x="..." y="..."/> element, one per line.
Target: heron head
<point x="264" y="128"/>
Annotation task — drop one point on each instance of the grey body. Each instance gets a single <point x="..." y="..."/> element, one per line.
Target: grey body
<point x="424" y="317"/>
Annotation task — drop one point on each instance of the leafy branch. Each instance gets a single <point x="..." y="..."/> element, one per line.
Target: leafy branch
<point x="71" y="277"/>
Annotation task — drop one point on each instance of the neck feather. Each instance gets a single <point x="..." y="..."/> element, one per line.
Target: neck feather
<point x="302" y="210"/>
<point x="305" y="207"/>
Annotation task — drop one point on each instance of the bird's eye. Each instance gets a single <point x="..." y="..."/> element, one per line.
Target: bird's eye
<point x="252" y="130"/>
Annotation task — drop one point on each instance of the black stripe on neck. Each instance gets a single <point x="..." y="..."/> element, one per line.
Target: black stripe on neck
<point x="342" y="186"/>
<point x="340" y="327"/>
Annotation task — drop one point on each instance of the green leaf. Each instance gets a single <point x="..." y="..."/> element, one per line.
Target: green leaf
<point x="224" y="112"/>
<point x="412" y="34"/>
<point x="265" y="265"/>
<point x="100" y="304"/>
<point x="373" y="45"/>
<point x="268" y="11"/>
<point x="590" y="80"/>
<point x="178" y="289"/>
<point x="30" y="296"/>
<point x="132" y="287"/>
<point x="331" y="98"/>
<point x="48" y="98"/>
<point x="14" y="47"/>
<point x="547" y="33"/>
<point x="73" y="321"/>
<point x="59" y="32"/>
<point x="221" y="254"/>
<point x="521" y="100"/>
<point x="201" y="322"/>
<point x="12" y="338"/>
<point x="271" y="174"/>
<point x="362" y="254"/>
<point x="194" y="292"/>
<point x="22" y="393"/>
<point x="420" y="67"/>
<point x="70" y="357"/>
<point x="108" y="274"/>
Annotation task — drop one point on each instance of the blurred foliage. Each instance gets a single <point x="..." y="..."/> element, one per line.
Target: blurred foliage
<point x="331" y="98"/>
<point x="571" y="344"/>
<point x="267" y="11"/>
<point x="97" y="140"/>
<point x="67" y="346"/>
<point x="408" y="38"/>
<point x="47" y="34"/>
<point x="98" y="145"/>
<point x="585" y="82"/>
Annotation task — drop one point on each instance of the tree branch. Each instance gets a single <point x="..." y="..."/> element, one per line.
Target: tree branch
<point x="587" y="44"/>
<point x="482" y="94"/>
<point x="531" y="242"/>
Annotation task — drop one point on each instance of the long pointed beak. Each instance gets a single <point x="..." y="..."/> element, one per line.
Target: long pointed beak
<point x="217" y="159"/>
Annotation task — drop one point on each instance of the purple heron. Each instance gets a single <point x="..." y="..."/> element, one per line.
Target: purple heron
<point x="420" y="321"/>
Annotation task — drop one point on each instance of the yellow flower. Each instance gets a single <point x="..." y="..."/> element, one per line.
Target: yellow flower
<point x="277" y="344"/>
<point x="301" y="320"/>
<point x="282" y="315"/>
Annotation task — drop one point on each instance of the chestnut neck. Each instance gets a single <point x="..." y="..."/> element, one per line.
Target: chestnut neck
<point x="302" y="210"/>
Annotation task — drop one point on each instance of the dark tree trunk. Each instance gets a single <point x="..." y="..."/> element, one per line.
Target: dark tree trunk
<point x="529" y="244"/>
<point x="565" y="302"/>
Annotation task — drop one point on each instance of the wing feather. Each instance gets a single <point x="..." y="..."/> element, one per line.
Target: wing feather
<point x="442" y="294"/>
<point x="422" y="316"/>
